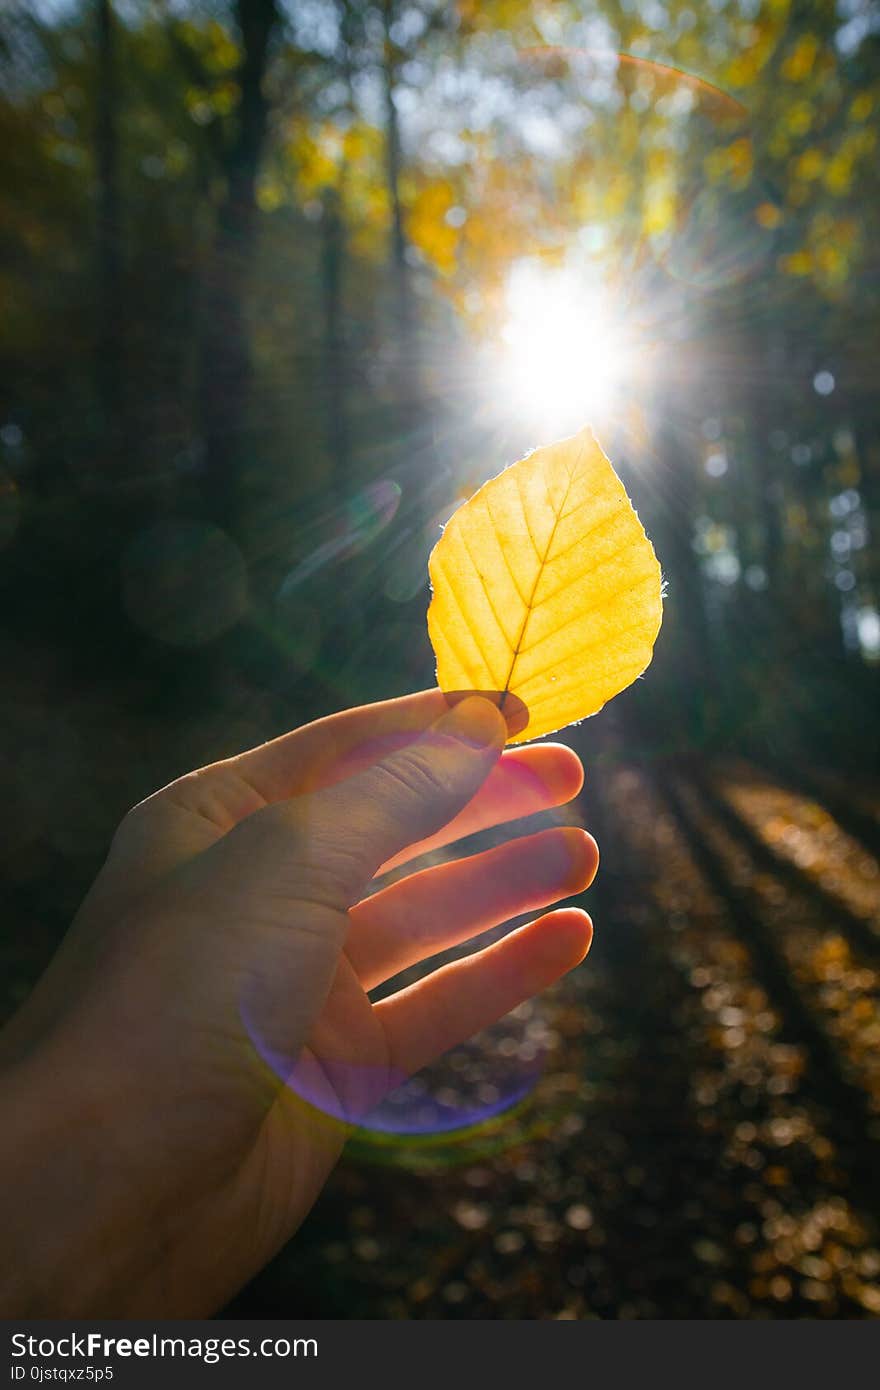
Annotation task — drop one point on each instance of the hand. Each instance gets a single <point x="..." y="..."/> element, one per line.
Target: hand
<point x="179" y="1085"/>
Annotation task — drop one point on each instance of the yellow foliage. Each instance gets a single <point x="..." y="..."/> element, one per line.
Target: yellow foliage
<point x="545" y="585"/>
<point x="743" y="69"/>
<point x="797" y="263"/>
<point x="658" y="163"/>
<point x="799" y="118"/>
<point x="349" y="159"/>
<point x="810" y="165"/>
<point x="316" y="158"/>
<point x="617" y="192"/>
<point x="659" y="210"/>
<point x="739" y="160"/>
<point x="832" y="241"/>
<point x="270" y="194"/>
<point x="768" y="216"/>
<point x="861" y="106"/>
<point x="731" y="163"/>
<point x="221" y="54"/>
<point x="838" y="175"/>
<point x="845" y="232"/>
<point x="799" y="63"/>
<point x="225" y="98"/>
<point x="427" y="228"/>
<point x="831" y="263"/>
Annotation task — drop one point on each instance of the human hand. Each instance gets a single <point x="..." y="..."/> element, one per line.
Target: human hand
<point x="187" y="1068"/>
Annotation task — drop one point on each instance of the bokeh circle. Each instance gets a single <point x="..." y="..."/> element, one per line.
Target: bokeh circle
<point x="184" y="582"/>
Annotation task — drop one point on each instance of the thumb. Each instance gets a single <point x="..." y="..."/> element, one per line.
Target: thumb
<point x="347" y="831"/>
<point x="305" y="862"/>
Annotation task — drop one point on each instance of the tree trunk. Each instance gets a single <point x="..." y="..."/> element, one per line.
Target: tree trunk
<point x="225" y="367"/>
<point x="408" y="379"/>
<point x="335" y="357"/>
<point x="110" y="319"/>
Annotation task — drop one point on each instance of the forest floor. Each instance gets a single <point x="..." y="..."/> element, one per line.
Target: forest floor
<point x="704" y="1138"/>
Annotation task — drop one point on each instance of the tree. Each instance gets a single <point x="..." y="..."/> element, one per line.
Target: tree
<point x="225" y="361"/>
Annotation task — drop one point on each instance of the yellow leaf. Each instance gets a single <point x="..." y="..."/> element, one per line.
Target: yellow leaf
<point x="545" y="585"/>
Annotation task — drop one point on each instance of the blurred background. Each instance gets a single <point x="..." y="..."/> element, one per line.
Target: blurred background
<point x="282" y="283"/>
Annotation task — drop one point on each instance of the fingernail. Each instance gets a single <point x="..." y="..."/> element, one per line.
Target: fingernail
<point x="572" y="859"/>
<point x="514" y="710"/>
<point x="474" y="721"/>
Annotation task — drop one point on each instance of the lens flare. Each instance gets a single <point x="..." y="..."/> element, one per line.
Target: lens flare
<point x="591" y="69"/>
<point x="348" y="531"/>
<point x="185" y="583"/>
<point x="721" y="238"/>
<point x="474" y="1084"/>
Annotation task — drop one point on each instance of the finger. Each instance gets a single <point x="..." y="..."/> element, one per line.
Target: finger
<point x="340" y="745"/>
<point x="525" y="781"/>
<point x="449" y="1006"/>
<point x="443" y="906"/>
<point x="323" y="849"/>
<point x="189" y="815"/>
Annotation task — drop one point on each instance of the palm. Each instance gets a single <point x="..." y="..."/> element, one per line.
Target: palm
<point x="346" y="1062"/>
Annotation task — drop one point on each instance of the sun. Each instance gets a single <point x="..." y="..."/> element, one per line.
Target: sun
<point x="564" y="356"/>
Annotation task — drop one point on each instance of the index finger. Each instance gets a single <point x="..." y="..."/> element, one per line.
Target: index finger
<point x="525" y="780"/>
<point x="340" y="745"/>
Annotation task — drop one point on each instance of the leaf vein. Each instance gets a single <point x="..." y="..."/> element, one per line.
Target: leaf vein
<point x="466" y="666"/>
<point x="591" y="569"/>
<point x="580" y="540"/>
<point x="479" y="573"/>
<point x="528" y="613"/>
<point x="555" y="691"/>
<point x="589" y="646"/>
<point x="495" y="527"/>
<point x="522" y="503"/>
